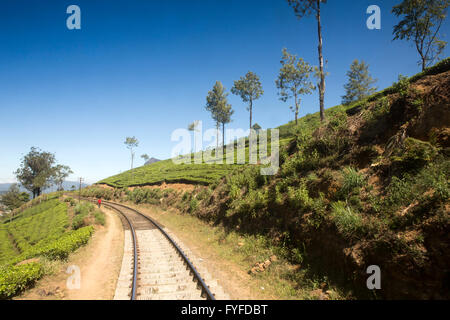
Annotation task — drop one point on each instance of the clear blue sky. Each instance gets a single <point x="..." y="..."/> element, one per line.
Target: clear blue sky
<point x="143" y="68"/>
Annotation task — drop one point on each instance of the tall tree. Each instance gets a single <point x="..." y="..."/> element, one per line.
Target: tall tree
<point x="131" y="143"/>
<point x="217" y="105"/>
<point x="249" y="88"/>
<point x="60" y="175"/>
<point x="304" y="8"/>
<point x="359" y="83"/>
<point x="422" y="21"/>
<point x="14" y="198"/>
<point x="225" y="112"/>
<point x="36" y="171"/>
<point x="294" y="80"/>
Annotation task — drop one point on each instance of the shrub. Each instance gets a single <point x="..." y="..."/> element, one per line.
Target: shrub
<point x="186" y="196"/>
<point x="402" y="86"/>
<point x="193" y="205"/>
<point x="352" y="183"/>
<point x="381" y="108"/>
<point x="78" y="221"/>
<point x="68" y="243"/>
<point x="15" y="279"/>
<point x="347" y="222"/>
<point x="414" y="154"/>
<point x="299" y="197"/>
<point x="205" y="193"/>
<point x="99" y="217"/>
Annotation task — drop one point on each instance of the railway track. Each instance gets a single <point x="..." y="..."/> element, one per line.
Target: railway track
<point x="155" y="266"/>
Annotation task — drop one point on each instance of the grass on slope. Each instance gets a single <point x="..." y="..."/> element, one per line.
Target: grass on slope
<point x="169" y="172"/>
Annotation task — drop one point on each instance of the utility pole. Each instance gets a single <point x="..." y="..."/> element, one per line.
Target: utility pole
<point x="79" y="191"/>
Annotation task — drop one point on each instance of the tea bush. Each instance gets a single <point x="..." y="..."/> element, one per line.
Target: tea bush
<point x="15" y="279"/>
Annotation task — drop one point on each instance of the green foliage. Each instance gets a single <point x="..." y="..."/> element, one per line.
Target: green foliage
<point x="294" y="80"/>
<point x="193" y="205"/>
<point x="37" y="171"/>
<point x="352" y="183"/>
<point x="217" y="104"/>
<point x="99" y="217"/>
<point x="402" y="86"/>
<point x="403" y="191"/>
<point x="381" y="108"/>
<point x="249" y="88"/>
<point x="418" y="104"/>
<point x="359" y="84"/>
<point x="150" y="196"/>
<point x="131" y="143"/>
<point x="82" y="212"/>
<point x="7" y="250"/>
<point x="14" y="199"/>
<point x="100" y="193"/>
<point x="414" y="154"/>
<point x="60" y="174"/>
<point x="169" y="172"/>
<point x="204" y="193"/>
<point x="15" y="279"/>
<point x="439" y="67"/>
<point x="38" y="231"/>
<point x="298" y="197"/>
<point x="421" y="22"/>
<point x="347" y="221"/>
<point x="40" y="227"/>
<point x="71" y="201"/>
<point x="69" y="242"/>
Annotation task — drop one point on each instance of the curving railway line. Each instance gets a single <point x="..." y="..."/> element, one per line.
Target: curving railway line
<point x="155" y="266"/>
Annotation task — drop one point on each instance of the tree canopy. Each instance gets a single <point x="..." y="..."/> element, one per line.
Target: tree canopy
<point x="421" y="23"/>
<point x="217" y="104"/>
<point x="359" y="83"/>
<point x="249" y="88"/>
<point x="36" y="171"/>
<point x="294" y="80"/>
<point x="304" y="8"/>
<point x="14" y="198"/>
<point x="131" y="143"/>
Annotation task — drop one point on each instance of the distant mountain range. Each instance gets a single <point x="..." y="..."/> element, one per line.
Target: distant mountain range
<point x="152" y="160"/>
<point x="67" y="185"/>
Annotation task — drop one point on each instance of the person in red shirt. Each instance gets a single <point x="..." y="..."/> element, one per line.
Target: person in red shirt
<point x="99" y="202"/>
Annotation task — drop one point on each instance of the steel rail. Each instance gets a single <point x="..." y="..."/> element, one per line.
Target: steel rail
<point x="204" y="287"/>
<point x="135" y="255"/>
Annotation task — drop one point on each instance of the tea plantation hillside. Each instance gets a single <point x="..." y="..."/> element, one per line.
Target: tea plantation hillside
<point x="45" y="229"/>
<point x="369" y="186"/>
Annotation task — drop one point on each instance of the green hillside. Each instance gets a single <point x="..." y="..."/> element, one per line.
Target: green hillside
<point x="370" y="186"/>
<point x="205" y="174"/>
<point x="46" y="229"/>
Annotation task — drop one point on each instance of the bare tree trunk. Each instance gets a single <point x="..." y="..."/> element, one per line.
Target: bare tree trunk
<point x="297" y="105"/>
<point x="251" y="109"/>
<point x="223" y="135"/>
<point x="322" y="74"/>
<point x="132" y="158"/>
<point x="217" y="136"/>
